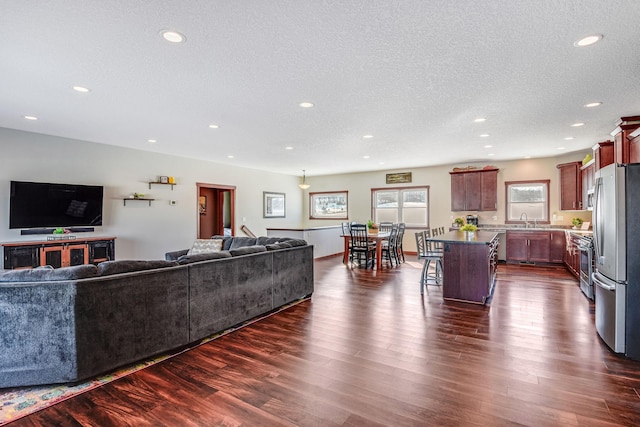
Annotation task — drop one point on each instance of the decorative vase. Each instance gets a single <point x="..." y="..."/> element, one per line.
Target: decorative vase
<point x="469" y="235"/>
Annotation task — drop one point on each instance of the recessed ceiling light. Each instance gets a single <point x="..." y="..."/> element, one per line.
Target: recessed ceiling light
<point x="527" y="157"/>
<point x="577" y="125"/>
<point x="214" y="126"/>
<point x="365" y="157"/>
<point x="381" y="163"/>
<point x="81" y="89"/>
<point x="491" y="154"/>
<point x="560" y="148"/>
<point x="593" y="104"/>
<point x="568" y="138"/>
<point x="173" y="36"/>
<point x="488" y="146"/>
<point x="480" y="120"/>
<point x="367" y="136"/>
<point x="288" y="148"/>
<point x="588" y="41"/>
<point x="306" y="104"/>
<point x="484" y="135"/>
<point x="31" y="117"/>
<point x="152" y="141"/>
<point x="230" y="156"/>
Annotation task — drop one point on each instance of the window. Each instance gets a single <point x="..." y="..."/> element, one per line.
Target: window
<point x="527" y="201"/>
<point x="407" y="204"/>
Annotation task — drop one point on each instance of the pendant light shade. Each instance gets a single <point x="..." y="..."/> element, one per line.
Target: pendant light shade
<point x="304" y="184"/>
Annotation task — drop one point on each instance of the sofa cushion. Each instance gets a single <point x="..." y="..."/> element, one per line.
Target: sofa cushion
<point x="297" y="242"/>
<point x="245" y="250"/>
<point x="125" y="266"/>
<point x="240" y="242"/>
<point x="226" y="241"/>
<point x="204" y="246"/>
<point x="278" y="246"/>
<point x="47" y="274"/>
<point x="186" y="259"/>
<point x="269" y="240"/>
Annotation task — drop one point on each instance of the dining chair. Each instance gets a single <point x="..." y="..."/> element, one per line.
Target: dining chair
<point x="346" y="231"/>
<point x="385" y="226"/>
<point x="432" y="273"/>
<point x="399" y="249"/>
<point x="389" y="246"/>
<point x="361" y="246"/>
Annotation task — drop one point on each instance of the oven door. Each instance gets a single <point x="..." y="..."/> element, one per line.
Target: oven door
<point x="586" y="270"/>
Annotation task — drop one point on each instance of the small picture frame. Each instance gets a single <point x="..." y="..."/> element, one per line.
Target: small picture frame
<point x="273" y="205"/>
<point x="164" y="179"/>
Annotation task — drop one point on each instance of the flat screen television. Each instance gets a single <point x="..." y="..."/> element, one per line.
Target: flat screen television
<point x="40" y="204"/>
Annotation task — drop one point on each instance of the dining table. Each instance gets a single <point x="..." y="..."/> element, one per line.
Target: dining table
<point x="379" y="238"/>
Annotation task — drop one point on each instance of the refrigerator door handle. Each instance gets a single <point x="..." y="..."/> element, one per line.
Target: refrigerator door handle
<point x="597" y="238"/>
<point x="601" y="284"/>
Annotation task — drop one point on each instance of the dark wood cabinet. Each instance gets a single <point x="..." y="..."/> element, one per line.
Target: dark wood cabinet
<point x="572" y="258"/>
<point x="588" y="172"/>
<point x="626" y="151"/>
<point x="58" y="253"/>
<point x="603" y="154"/>
<point x="535" y="246"/>
<point x="475" y="190"/>
<point x="469" y="270"/>
<point x="557" y="246"/>
<point x="570" y="186"/>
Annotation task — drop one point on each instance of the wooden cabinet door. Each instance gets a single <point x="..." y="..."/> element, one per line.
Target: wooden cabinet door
<point x="570" y="186"/>
<point x="557" y="246"/>
<point x="517" y="246"/>
<point x="457" y="192"/>
<point x="588" y="181"/>
<point x="473" y="191"/>
<point x="539" y="246"/>
<point x="52" y="255"/>
<point x="489" y="190"/>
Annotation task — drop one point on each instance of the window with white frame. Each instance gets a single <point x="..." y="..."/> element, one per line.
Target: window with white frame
<point x="527" y="201"/>
<point x="407" y="204"/>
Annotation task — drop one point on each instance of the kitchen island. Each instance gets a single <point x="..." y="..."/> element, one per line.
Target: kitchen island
<point x="469" y="265"/>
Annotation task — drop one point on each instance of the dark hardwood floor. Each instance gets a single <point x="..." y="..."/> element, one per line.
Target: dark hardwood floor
<point x="368" y="350"/>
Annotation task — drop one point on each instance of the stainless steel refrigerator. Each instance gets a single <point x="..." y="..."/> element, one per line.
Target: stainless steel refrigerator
<point x="616" y="239"/>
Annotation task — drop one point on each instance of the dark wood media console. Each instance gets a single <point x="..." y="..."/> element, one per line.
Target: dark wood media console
<point x="58" y="253"/>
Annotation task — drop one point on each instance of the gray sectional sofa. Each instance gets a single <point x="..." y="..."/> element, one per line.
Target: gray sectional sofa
<point x="70" y="324"/>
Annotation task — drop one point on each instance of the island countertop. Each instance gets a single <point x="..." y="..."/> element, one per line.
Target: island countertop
<point x="481" y="237"/>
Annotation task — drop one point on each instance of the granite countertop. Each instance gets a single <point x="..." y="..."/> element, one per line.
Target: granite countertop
<point x="482" y="237"/>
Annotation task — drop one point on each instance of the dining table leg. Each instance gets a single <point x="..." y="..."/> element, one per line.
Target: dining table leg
<point x="345" y="256"/>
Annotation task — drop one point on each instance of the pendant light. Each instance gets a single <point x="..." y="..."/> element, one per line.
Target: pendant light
<point x="304" y="184"/>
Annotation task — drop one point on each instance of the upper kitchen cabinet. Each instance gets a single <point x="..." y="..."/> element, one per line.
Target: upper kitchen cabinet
<point x="626" y="142"/>
<point x="570" y="186"/>
<point x="603" y="154"/>
<point x="474" y="190"/>
<point x="588" y="172"/>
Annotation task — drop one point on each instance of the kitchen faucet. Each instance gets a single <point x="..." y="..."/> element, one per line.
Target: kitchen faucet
<point x="526" y="219"/>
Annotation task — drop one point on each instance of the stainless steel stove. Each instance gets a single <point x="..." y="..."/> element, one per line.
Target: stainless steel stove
<point x="585" y="246"/>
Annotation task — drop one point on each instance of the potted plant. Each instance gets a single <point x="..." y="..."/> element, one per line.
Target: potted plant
<point x="373" y="227"/>
<point x="577" y="222"/>
<point x="458" y="222"/>
<point x="469" y="230"/>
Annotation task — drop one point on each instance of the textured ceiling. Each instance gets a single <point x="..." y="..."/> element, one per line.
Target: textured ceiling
<point x="413" y="73"/>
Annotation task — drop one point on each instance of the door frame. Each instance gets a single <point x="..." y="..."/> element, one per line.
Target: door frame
<point x="232" y="201"/>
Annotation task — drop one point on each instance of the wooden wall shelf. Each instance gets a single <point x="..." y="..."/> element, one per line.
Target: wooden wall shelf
<point x="160" y="183"/>
<point x="124" y="201"/>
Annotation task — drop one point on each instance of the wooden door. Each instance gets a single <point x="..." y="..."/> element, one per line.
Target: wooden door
<point x="216" y="206"/>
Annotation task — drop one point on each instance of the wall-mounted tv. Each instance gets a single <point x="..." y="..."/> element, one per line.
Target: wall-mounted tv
<point x="40" y="204"/>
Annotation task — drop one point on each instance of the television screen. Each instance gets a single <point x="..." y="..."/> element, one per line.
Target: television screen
<point x="39" y="204"/>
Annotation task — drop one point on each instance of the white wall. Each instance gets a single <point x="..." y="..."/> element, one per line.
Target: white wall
<point x="142" y="232"/>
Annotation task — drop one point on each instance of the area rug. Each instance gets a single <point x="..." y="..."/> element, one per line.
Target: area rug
<point x="19" y="402"/>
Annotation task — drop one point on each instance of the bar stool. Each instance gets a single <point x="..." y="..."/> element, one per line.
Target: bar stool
<point x="431" y="254"/>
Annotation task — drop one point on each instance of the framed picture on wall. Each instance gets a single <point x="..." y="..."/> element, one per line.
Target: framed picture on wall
<point x="329" y="205"/>
<point x="273" y="205"/>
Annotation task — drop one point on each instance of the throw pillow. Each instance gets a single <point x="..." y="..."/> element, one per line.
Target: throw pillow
<point x="204" y="246"/>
